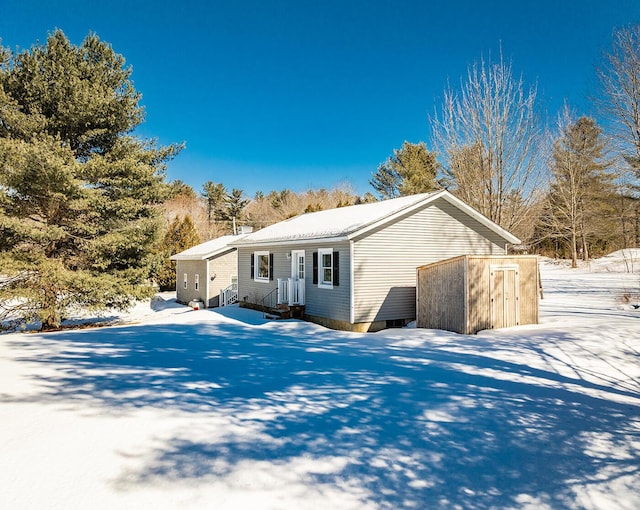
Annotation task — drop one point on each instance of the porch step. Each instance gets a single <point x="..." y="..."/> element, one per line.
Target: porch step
<point x="284" y="312"/>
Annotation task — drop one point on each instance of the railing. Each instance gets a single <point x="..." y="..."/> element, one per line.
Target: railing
<point x="229" y="295"/>
<point x="290" y="291"/>
<point x="269" y="301"/>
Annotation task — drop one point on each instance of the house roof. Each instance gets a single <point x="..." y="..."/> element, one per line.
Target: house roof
<point x="348" y="222"/>
<point x="207" y="249"/>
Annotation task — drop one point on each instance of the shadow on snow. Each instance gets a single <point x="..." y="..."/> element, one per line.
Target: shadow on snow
<point x="418" y="426"/>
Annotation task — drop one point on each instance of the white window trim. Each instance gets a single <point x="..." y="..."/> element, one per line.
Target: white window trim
<point x="185" y="281"/>
<point x="256" y="266"/>
<point x="197" y="282"/>
<point x="322" y="284"/>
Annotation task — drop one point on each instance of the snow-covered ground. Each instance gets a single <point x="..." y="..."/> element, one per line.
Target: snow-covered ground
<point x="184" y="409"/>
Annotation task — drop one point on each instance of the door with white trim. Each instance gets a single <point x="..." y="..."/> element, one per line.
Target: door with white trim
<point x="504" y="284"/>
<point x="297" y="276"/>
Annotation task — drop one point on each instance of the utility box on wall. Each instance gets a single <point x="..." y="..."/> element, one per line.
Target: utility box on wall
<point x="470" y="293"/>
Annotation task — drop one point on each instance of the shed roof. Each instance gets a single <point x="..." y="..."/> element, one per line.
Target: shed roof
<point x="207" y="249"/>
<point x="348" y="222"/>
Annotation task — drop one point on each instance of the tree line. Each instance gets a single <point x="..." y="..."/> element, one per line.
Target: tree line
<point x="569" y="189"/>
<point x="87" y="218"/>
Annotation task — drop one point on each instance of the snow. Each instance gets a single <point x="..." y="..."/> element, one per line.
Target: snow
<point x="223" y="409"/>
<point x="207" y="249"/>
<point x="335" y="222"/>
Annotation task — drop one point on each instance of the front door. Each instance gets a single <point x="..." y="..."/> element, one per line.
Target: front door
<point x="297" y="264"/>
<point x="297" y="277"/>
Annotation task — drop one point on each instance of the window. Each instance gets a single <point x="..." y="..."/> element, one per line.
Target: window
<point x="262" y="266"/>
<point x="184" y="281"/>
<point x="197" y="282"/>
<point x="325" y="268"/>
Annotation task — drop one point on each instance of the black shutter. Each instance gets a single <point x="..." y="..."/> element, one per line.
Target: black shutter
<point x="270" y="266"/>
<point x="315" y="267"/>
<point x="253" y="266"/>
<point x="336" y="268"/>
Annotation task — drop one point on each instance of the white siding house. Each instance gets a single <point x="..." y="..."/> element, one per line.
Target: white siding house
<point x="355" y="267"/>
<point x="208" y="271"/>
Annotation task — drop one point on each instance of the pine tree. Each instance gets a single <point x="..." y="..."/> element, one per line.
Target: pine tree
<point x="79" y="204"/>
<point x="234" y="205"/>
<point x="412" y="169"/>
<point x="386" y="181"/>
<point x="214" y="195"/>
<point x="179" y="188"/>
<point x="180" y="236"/>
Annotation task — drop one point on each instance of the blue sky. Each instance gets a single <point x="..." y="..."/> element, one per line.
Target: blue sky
<point x="296" y="94"/>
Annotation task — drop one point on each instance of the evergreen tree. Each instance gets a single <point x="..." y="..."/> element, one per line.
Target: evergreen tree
<point x="180" y="236"/>
<point x="214" y="194"/>
<point x="386" y="181"/>
<point x="179" y="188"/>
<point x="412" y="169"/>
<point x="234" y="205"/>
<point x="367" y="198"/>
<point x="79" y="202"/>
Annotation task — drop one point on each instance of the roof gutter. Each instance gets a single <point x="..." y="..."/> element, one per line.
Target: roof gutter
<point x="290" y="242"/>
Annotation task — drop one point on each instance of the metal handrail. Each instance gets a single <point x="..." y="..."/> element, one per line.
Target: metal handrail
<point x="269" y="301"/>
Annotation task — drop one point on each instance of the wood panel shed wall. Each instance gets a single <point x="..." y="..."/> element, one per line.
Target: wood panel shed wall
<point x="456" y="294"/>
<point x="440" y="295"/>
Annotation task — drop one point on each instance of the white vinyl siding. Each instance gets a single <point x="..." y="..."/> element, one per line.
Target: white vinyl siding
<point x="209" y="277"/>
<point x="385" y="260"/>
<point x="333" y="304"/>
<point x="222" y="269"/>
<point x="191" y="271"/>
<point x="325" y="268"/>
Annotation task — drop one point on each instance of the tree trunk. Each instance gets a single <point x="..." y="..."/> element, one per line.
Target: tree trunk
<point x="585" y="249"/>
<point x="637" y="225"/>
<point x="49" y="314"/>
<point x="574" y="250"/>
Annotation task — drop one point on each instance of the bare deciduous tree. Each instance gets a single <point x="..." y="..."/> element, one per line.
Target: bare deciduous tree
<point x="620" y="101"/>
<point x="578" y="203"/>
<point x="489" y="134"/>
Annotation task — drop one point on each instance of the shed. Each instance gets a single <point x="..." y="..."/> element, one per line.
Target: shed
<point x="470" y="293"/>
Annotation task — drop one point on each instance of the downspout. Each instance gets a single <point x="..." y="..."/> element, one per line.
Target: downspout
<point x="206" y="285"/>
<point x="352" y="311"/>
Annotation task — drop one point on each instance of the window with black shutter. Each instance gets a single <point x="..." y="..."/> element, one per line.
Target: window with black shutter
<point x="326" y="268"/>
<point x="262" y="266"/>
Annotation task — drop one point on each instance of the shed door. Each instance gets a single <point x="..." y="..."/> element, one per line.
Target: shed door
<point x="504" y="296"/>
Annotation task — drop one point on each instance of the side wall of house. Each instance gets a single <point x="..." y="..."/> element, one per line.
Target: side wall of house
<point x="221" y="269"/>
<point x="191" y="268"/>
<point x="320" y="302"/>
<point x="385" y="260"/>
